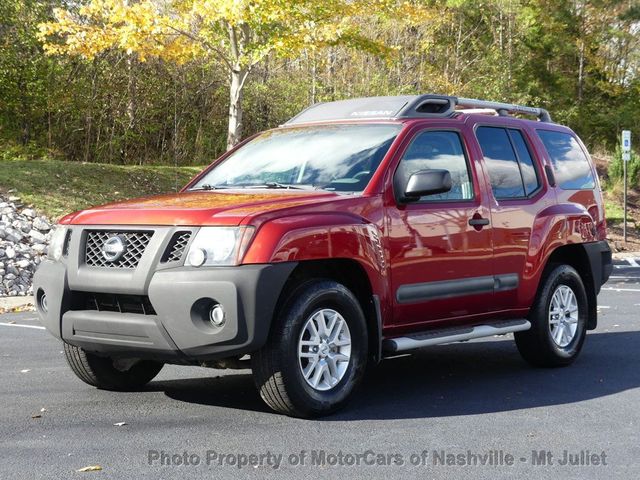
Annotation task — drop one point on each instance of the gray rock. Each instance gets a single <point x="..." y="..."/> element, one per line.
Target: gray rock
<point x="39" y="248"/>
<point x="24" y="239"/>
<point x="39" y="223"/>
<point x="23" y="263"/>
<point x="36" y="236"/>
<point x="13" y="236"/>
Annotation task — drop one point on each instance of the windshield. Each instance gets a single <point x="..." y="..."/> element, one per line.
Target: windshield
<point x="331" y="157"/>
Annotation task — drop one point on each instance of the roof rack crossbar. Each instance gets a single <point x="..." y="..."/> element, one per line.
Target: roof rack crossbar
<point x="505" y="109"/>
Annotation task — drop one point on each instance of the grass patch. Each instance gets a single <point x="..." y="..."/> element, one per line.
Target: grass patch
<point x="56" y="188"/>
<point x="613" y="211"/>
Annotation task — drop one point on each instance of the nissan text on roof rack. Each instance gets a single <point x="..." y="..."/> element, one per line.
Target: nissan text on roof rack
<point x="357" y="230"/>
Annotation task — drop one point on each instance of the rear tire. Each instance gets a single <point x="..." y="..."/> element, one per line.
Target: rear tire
<point x="558" y="320"/>
<point x="103" y="373"/>
<point x="306" y="370"/>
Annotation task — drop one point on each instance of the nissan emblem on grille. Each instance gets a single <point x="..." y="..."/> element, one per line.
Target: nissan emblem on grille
<point x="114" y="248"/>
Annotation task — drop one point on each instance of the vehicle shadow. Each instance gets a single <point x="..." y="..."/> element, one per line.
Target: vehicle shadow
<point x="460" y="379"/>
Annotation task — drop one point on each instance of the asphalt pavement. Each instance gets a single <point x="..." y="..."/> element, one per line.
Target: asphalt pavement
<point x="472" y="410"/>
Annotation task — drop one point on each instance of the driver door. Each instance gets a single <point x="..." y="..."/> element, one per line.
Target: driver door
<point x="440" y="245"/>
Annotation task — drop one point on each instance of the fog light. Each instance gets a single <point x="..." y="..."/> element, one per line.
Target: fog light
<point x="43" y="303"/>
<point x="197" y="256"/>
<point x="216" y="315"/>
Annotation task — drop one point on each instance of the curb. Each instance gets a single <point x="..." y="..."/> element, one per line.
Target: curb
<point x="625" y="255"/>
<point x="10" y="304"/>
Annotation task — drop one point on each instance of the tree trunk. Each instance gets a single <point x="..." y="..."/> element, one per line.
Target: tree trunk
<point x="236" y="87"/>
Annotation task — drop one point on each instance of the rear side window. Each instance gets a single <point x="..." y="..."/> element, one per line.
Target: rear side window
<point x="527" y="167"/>
<point x="570" y="164"/>
<point x="511" y="169"/>
<point x="438" y="150"/>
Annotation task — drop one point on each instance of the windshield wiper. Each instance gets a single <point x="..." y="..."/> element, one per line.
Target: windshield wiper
<point x="274" y="185"/>
<point x="281" y="185"/>
<point x="208" y="186"/>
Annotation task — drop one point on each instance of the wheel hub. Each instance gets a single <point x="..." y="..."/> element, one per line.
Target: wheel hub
<point x="324" y="349"/>
<point x="563" y="315"/>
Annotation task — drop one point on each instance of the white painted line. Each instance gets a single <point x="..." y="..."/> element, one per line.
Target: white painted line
<point x="632" y="262"/>
<point x="624" y="277"/>
<point x="603" y="306"/>
<point x="623" y="289"/>
<point x="23" y="326"/>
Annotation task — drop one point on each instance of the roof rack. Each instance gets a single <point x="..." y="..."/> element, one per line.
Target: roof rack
<point x="505" y="109"/>
<point x="407" y="106"/>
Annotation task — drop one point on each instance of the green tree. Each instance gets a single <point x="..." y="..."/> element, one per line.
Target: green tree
<point x="240" y="34"/>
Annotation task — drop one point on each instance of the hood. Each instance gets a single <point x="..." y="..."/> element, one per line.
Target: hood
<point x="196" y="208"/>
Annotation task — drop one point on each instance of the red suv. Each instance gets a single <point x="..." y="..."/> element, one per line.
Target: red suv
<point x="358" y="229"/>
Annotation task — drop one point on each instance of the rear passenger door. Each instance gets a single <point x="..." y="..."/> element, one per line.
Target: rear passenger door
<point x="518" y="191"/>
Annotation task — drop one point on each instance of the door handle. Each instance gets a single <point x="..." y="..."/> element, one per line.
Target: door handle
<point x="478" y="222"/>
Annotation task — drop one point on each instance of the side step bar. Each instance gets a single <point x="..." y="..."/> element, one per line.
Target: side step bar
<point x="450" y="335"/>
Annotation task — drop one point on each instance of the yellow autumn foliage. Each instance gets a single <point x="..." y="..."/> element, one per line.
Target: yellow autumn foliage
<point x="238" y="32"/>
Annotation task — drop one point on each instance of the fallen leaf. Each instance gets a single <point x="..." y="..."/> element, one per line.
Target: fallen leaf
<point x="37" y="415"/>
<point x="90" y="468"/>
<point x="119" y="424"/>
<point x="26" y="370"/>
<point x="12" y="322"/>
<point x="43" y="409"/>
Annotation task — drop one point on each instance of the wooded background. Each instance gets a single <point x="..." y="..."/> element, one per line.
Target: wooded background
<point x="579" y="59"/>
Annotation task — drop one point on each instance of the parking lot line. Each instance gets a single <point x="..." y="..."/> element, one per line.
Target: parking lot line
<point x="621" y="289"/>
<point x="23" y="326"/>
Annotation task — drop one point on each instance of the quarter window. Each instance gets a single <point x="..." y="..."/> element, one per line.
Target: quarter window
<point x="570" y="164"/>
<point x="511" y="169"/>
<point x="438" y="150"/>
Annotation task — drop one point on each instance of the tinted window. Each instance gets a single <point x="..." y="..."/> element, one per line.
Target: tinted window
<point x="527" y="167"/>
<point x="570" y="164"/>
<point x="501" y="161"/>
<point x="438" y="150"/>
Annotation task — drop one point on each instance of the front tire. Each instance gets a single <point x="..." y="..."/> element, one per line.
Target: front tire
<point x="316" y="353"/>
<point x="558" y="320"/>
<point x="107" y="374"/>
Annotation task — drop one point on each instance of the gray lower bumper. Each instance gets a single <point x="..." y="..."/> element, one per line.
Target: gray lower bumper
<point x="179" y="329"/>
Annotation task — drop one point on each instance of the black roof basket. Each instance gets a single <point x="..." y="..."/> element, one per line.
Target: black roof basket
<point x="407" y="106"/>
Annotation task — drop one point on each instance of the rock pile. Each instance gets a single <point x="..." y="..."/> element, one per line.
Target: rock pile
<point x="24" y="237"/>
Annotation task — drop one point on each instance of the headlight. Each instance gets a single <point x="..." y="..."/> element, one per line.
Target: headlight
<point x="56" y="244"/>
<point x="219" y="246"/>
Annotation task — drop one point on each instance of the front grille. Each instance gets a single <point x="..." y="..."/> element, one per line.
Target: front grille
<point x="136" y="243"/>
<point x="176" y="247"/>
<point x="108" y="302"/>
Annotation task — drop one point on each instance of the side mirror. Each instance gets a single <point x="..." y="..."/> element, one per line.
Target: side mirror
<point x="427" y="182"/>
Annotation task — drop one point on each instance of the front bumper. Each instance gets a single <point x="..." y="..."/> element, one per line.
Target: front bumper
<point x="177" y="329"/>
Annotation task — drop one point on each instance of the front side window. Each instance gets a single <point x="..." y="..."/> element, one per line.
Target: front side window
<point x="437" y="150"/>
<point x="510" y="166"/>
<point x="570" y="164"/>
<point x="338" y="158"/>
